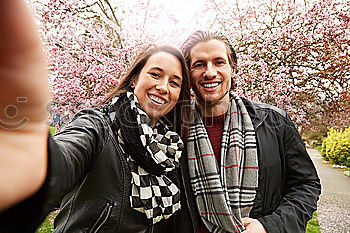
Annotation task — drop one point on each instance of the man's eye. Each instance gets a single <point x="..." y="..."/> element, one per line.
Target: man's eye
<point x="220" y="63"/>
<point x="197" y="65"/>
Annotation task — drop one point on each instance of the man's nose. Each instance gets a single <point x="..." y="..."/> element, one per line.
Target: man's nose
<point x="210" y="72"/>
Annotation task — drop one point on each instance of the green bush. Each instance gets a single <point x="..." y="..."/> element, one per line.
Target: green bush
<point x="336" y="147"/>
<point x="313" y="226"/>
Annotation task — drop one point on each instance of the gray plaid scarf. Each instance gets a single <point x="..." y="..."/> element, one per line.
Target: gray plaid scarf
<point x="224" y="192"/>
<point x="151" y="154"/>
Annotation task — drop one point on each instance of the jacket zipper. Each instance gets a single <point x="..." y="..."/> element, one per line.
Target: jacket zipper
<point x="262" y="194"/>
<point x="152" y="227"/>
<point x="186" y="190"/>
<point x="107" y="209"/>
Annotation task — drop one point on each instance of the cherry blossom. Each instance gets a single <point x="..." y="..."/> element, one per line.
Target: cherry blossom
<point x="293" y="54"/>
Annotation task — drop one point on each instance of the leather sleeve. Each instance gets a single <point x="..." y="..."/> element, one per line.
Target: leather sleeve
<point x="73" y="150"/>
<point x="302" y="189"/>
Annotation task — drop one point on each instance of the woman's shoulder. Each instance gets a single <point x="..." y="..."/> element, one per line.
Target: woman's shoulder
<point x="88" y="119"/>
<point x="93" y="115"/>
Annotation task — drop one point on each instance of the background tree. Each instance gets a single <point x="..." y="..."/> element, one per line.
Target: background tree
<point x="293" y="54"/>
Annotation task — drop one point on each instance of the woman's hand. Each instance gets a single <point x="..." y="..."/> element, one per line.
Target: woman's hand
<point x="23" y="96"/>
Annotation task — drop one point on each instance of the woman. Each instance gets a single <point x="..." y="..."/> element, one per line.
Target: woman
<point x="136" y="175"/>
<point x="120" y="160"/>
<point x="113" y="169"/>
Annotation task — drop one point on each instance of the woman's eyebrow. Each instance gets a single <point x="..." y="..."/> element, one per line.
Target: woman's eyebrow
<point x="161" y="70"/>
<point x="157" y="68"/>
<point x="177" y="77"/>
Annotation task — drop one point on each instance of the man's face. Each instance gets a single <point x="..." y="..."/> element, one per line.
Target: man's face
<point x="210" y="73"/>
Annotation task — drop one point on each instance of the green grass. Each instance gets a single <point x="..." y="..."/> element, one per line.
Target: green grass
<point x="318" y="148"/>
<point x="47" y="225"/>
<point x="52" y="130"/>
<point x="313" y="225"/>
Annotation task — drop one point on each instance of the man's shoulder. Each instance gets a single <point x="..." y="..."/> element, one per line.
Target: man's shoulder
<point x="256" y="106"/>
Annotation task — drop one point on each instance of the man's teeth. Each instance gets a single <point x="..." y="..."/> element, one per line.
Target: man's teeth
<point x="156" y="99"/>
<point x="208" y="85"/>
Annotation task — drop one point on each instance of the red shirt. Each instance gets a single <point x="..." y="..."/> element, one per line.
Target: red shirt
<point x="215" y="128"/>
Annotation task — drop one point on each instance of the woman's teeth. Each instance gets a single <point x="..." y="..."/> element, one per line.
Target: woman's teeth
<point x="209" y="85"/>
<point x="156" y="99"/>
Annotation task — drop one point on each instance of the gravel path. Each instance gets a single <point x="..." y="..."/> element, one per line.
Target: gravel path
<point x="334" y="204"/>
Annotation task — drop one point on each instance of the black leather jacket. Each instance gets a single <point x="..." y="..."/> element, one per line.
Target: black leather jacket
<point x="289" y="186"/>
<point x="97" y="170"/>
<point x="89" y="180"/>
<point x="97" y="180"/>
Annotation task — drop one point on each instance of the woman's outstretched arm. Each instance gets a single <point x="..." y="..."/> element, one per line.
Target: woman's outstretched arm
<point x="23" y="96"/>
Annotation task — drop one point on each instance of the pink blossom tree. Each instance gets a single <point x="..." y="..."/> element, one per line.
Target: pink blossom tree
<point x="293" y="54"/>
<point x="86" y="52"/>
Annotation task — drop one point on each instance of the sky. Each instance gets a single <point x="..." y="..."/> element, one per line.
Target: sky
<point x="167" y="17"/>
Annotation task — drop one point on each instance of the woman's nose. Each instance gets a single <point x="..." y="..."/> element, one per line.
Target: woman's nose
<point x="162" y="86"/>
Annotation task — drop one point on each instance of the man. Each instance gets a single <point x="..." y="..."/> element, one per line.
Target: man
<point x="249" y="169"/>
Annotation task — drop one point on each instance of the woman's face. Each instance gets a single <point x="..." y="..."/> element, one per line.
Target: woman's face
<point x="159" y="84"/>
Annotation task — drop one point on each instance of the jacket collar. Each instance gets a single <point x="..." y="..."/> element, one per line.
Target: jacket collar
<point x="256" y="113"/>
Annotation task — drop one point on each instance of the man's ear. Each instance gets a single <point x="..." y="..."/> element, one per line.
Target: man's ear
<point x="232" y="73"/>
<point x="233" y="80"/>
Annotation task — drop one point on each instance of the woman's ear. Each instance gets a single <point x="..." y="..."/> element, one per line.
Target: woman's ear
<point x="133" y="82"/>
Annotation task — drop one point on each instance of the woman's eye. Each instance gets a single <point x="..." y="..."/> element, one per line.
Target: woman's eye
<point x="175" y="83"/>
<point x="155" y="75"/>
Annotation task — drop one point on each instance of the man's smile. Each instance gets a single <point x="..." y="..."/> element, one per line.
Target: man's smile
<point x="210" y="85"/>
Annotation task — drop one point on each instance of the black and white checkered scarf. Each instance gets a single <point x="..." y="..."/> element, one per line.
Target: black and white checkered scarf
<point x="224" y="192"/>
<point x="151" y="154"/>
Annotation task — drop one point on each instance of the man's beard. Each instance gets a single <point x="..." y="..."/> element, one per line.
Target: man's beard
<point x="208" y="104"/>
